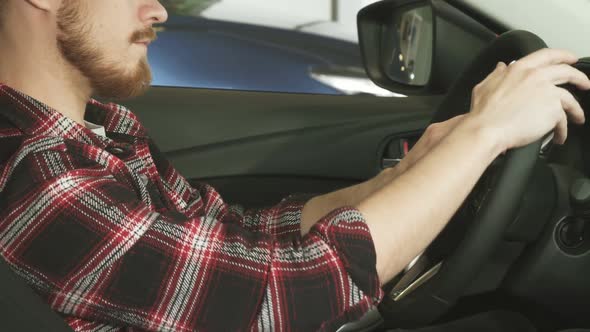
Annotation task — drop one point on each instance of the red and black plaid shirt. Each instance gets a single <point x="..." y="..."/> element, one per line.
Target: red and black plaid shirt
<point x="114" y="238"/>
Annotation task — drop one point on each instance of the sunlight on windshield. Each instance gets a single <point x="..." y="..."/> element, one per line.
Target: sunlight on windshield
<point x="331" y="18"/>
<point x="312" y="63"/>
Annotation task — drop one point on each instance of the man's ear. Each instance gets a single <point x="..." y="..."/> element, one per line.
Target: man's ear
<point x="45" y="5"/>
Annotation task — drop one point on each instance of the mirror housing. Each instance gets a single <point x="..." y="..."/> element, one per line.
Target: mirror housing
<point x="457" y="39"/>
<point x="397" y="40"/>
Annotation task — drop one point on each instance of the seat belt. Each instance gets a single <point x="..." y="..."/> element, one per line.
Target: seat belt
<point x="21" y="309"/>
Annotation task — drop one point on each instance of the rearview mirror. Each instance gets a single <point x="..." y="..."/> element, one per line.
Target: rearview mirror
<point x="397" y="42"/>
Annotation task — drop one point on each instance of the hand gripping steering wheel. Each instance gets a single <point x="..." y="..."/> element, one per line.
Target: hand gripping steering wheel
<point x="463" y="247"/>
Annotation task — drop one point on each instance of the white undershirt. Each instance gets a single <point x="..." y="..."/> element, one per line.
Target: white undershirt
<point x="99" y="130"/>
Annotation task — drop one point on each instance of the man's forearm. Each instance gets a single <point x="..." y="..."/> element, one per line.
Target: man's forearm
<point x="352" y="196"/>
<point x="406" y="215"/>
<point x="319" y="206"/>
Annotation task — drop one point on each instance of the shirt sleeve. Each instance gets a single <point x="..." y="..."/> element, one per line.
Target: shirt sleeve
<point x="282" y="220"/>
<point x="93" y="250"/>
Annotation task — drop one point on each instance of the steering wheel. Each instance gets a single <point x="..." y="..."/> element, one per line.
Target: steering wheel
<point x="494" y="202"/>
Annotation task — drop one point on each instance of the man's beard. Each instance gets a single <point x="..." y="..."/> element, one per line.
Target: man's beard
<point x="107" y="80"/>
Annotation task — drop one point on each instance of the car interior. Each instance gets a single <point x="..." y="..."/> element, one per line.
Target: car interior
<point x="521" y="240"/>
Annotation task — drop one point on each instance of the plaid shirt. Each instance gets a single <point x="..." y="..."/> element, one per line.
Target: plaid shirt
<point x="114" y="238"/>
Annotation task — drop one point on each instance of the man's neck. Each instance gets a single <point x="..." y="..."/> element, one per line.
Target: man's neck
<point x="48" y="78"/>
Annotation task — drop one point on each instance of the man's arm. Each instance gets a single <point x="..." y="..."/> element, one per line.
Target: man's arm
<point x="405" y="216"/>
<point x="406" y="209"/>
<point x="511" y="108"/>
<point x="94" y="250"/>
<point x="298" y="213"/>
<point x="319" y="206"/>
<point x="354" y="195"/>
<point x="282" y="220"/>
<point x="404" y="205"/>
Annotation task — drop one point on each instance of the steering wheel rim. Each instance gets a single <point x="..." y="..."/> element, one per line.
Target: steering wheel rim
<point x="498" y="209"/>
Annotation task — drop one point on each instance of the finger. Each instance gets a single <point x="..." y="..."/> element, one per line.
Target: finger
<point x="500" y="67"/>
<point x="548" y="56"/>
<point x="561" y="131"/>
<point x="571" y="106"/>
<point x="561" y="74"/>
<point x="495" y="75"/>
<point x="493" y="78"/>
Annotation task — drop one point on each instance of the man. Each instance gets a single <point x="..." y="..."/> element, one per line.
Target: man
<point x="111" y="236"/>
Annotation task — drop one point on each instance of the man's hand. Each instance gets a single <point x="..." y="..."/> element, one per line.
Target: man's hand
<point x="522" y="101"/>
<point x="407" y="206"/>
<point x="520" y="77"/>
<point x="512" y="107"/>
<point x="521" y="82"/>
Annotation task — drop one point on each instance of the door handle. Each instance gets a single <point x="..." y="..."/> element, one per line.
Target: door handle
<point x="389" y="162"/>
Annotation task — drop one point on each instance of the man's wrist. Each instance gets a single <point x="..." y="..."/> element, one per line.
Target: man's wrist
<point x="486" y="136"/>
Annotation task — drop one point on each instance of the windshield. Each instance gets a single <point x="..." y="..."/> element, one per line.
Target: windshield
<point x="561" y="23"/>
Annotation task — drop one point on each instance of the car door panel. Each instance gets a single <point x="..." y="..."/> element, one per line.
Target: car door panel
<point x="232" y="137"/>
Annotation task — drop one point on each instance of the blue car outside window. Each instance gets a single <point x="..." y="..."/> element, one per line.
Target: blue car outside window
<point x="198" y="52"/>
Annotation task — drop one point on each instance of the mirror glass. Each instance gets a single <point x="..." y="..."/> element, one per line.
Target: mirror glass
<point x="408" y="45"/>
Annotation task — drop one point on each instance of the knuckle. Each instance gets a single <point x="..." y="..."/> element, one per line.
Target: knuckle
<point x="578" y="76"/>
<point x="537" y="72"/>
<point x="558" y="105"/>
<point x="477" y="89"/>
<point x="533" y="73"/>
<point x="432" y="129"/>
<point x="518" y="66"/>
<point x="571" y="76"/>
<point x="560" y="94"/>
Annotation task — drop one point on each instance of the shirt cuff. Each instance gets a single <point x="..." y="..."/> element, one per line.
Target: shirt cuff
<point x="285" y="221"/>
<point x="297" y="200"/>
<point x="346" y="231"/>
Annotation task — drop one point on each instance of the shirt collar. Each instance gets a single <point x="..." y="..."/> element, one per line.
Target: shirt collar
<point x="97" y="129"/>
<point x="36" y="118"/>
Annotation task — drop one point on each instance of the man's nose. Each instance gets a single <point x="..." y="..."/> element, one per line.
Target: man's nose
<point x="152" y="12"/>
